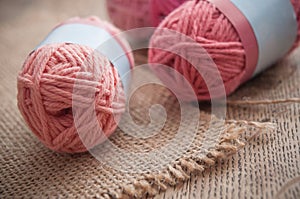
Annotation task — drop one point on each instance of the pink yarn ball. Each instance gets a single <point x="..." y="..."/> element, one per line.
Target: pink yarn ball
<point x="161" y="9"/>
<point x="205" y="24"/>
<point x="129" y="14"/>
<point x="45" y="93"/>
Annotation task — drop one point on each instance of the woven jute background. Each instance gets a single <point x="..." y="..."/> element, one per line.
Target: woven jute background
<point x="266" y="166"/>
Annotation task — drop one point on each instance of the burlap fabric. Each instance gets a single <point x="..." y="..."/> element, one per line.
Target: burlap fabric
<point x="268" y="167"/>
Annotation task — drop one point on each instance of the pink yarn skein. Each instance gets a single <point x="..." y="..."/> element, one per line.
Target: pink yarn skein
<point x="45" y="92"/>
<point x="129" y="14"/>
<point x="160" y="9"/>
<point x="204" y="23"/>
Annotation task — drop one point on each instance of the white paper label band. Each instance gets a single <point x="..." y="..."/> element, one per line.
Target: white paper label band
<point x="96" y="38"/>
<point x="275" y="26"/>
<point x="268" y="29"/>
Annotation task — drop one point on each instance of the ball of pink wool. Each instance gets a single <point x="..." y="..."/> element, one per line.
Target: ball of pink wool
<point x="205" y="24"/>
<point x="161" y="9"/>
<point x="46" y="86"/>
<point x="129" y="14"/>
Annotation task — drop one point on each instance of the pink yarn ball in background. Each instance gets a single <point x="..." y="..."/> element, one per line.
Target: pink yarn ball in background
<point x="129" y="14"/>
<point x="132" y="14"/>
<point x="45" y="92"/>
<point x="160" y="9"/>
<point x="205" y="24"/>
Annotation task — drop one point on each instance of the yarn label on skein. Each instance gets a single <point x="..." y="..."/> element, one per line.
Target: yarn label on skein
<point x="96" y="38"/>
<point x="268" y="29"/>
